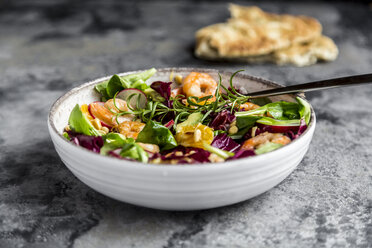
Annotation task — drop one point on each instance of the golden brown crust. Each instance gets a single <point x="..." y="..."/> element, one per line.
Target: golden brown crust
<point x="301" y="54"/>
<point x="253" y="32"/>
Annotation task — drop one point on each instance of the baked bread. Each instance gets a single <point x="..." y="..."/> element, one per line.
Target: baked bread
<point x="320" y="49"/>
<point x="252" y="35"/>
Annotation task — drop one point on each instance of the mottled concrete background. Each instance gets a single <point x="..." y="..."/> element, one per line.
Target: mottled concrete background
<point x="47" y="47"/>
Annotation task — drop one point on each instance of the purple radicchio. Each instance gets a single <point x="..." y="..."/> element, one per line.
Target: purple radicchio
<point x="224" y="142"/>
<point x="187" y="155"/>
<point x="243" y="154"/>
<point x="256" y="131"/>
<point x="115" y="153"/>
<point x="163" y="88"/>
<point x="222" y="120"/>
<point x="91" y="143"/>
<point x="301" y="130"/>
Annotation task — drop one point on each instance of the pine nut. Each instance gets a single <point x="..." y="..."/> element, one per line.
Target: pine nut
<point x="233" y="130"/>
<point x="97" y="124"/>
<point x="197" y="135"/>
<point x="178" y="79"/>
<point x="67" y="128"/>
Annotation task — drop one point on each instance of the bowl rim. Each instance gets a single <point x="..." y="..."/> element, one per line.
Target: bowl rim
<point x="122" y="162"/>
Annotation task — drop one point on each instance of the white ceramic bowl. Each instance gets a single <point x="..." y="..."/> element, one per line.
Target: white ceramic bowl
<point x="176" y="187"/>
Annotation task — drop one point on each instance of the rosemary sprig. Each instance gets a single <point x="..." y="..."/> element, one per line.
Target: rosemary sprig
<point x="224" y="99"/>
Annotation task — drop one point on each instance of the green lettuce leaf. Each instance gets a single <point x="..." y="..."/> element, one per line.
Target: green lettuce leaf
<point x="246" y="121"/>
<point x="154" y="133"/>
<point x="66" y="135"/>
<point x="101" y="88"/>
<point x="268" y="147"/>
<point x="283" y="110"/>
<point x="154" y="95"/>
<point x="258" y="111"/>
<point x="261" y="101"/>
<point x="130" y="149"/>
<point x="273" y="122"/>
<point x="114" y="141"/>
<point x="116" y="83"/>
<point x="79" y="123"/>
<point x="304" y="110"/>
<point x="279" y="110"/>
<point x="134" y="151"/>
<point x="219" y="152"/>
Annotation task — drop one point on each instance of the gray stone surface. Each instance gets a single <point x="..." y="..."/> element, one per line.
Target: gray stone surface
<point x="47" y="47"/>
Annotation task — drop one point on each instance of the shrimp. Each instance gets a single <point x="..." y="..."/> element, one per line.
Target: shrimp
<point x="263" y="138"/>
<point x="106" y="112"/>
<point x="177" y="91"/>
<point x="199" y="85"/>
<point x="121" y="105"/>
<point x="248" y="106"/>
<point x="130" y="129"/>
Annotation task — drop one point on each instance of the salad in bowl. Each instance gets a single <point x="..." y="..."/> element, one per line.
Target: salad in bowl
<point x="187" y="119"/>
<point x="180" y="138"/>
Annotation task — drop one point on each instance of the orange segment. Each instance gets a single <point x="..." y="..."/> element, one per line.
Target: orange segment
<point x="194" y="136"/>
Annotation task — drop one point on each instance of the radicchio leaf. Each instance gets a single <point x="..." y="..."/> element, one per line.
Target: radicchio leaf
<point x="301" y="130"/>
<point x="115" y="153"/>
<point x="183" y="154"/>
<point x="224" y="142"/>
<point x="163" y="88"/>
<point x="243" y="154"/>
<point x="248" y="134"/>
<point x="222" y="120"/>
<point x="92" y="143"/>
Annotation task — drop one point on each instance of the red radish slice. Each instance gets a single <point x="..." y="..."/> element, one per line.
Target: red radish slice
<point x="133" y="96"/>
<point x="169" y="124"/>
<point x="95" y="113"/>
<point x="278" y="129"/>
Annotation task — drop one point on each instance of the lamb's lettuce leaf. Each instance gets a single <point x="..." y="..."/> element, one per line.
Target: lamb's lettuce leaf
<point x="155" y="133"/>
<point x="129" y="149"/>
<point x="283" y="110"/>
<point x="101" y="88"/>
<point x="246" y="121"/>
<point x="116" y="83"/>
<point x="134" y="151"/>
<point x="113" y="141"/>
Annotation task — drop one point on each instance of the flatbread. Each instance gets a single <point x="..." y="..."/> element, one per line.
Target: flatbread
<point x="301" y="54"/>
<point x="321" y="49"/>
<point x="252" y="35"/>
<point x="252" y="32"/>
